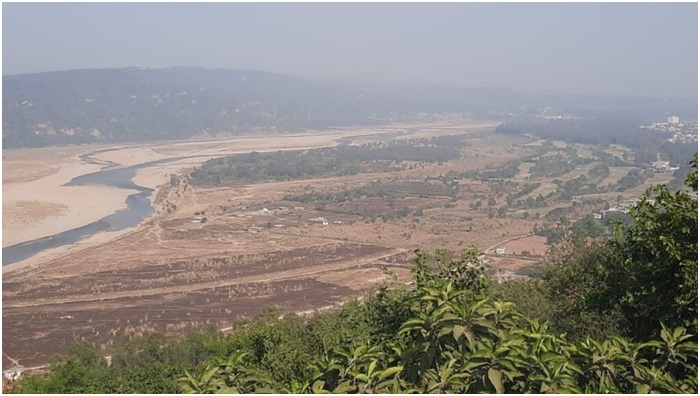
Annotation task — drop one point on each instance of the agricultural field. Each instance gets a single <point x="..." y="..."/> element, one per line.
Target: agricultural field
<point x="616" y="173"/>
<point x="301" y="229"/>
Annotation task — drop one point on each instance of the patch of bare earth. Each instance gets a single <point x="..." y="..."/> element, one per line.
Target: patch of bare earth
<point x="511" y="263"/>
<point x="534" y="245"/>
<point x="23" y="213"/>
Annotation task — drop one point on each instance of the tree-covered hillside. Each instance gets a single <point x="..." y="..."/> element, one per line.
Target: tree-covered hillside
<point x="133" y="104"/>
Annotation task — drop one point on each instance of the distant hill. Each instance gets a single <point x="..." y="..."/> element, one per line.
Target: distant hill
<point x="117" y="105"/>
<point x="132" y="104"/>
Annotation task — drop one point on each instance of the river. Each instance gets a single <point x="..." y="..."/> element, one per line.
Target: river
<point x="138" y="206"/>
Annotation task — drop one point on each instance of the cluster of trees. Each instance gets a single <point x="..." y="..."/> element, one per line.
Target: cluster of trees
<point x="557" y="165"/>
<point x="400" y="213"/>
<point x="391" y="191"/>
<point x="148" y="364"/>
<point x="552" y="231"/>
<point x="507" y="171"/>
<point x="562" y="163"/>
<point x="600" y="171"/>
<point x="616" y="316"/>
<point x="609" y="159"/>
<point x="586" y="131"/>
<point x="514" y="192"/>
<point x="385" y="190"/>
<point x="322" y="162"/>
<point x="527" y="189"/>
<point x="528" y="203"/>
<point x="635" y="177"/>
<point x="676" y="154"/>
<point x="648" y="145"/>
<point x="645" y="156"/>
<point x="588" y="227"/>
<point x="500" y="187"/>
<point x="566" y="190"/>
<point x="501" y="212"/>
<point x="559" y="214"/>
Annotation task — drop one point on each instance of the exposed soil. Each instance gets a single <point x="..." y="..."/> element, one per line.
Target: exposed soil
<point x="29" y="212"/>
<point x="535" y="245"/>
<point x="36" y="335"/>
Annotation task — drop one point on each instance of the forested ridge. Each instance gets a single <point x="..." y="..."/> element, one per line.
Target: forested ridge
<point x="132" y="104"/>
<point x="140" y="104"/>
<point x="610" y="316"/>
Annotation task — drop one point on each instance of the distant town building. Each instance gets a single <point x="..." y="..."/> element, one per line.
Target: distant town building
<point x="501" y="251"/>
<point x="613" y="210"/>
<point x="684" y="132"/>
<point x="597" y="216"/>
<point x="630" y="202"/>
<point x="660" y="164"/>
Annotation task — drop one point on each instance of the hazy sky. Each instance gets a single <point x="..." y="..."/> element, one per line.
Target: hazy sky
<point x="630" y="49"/>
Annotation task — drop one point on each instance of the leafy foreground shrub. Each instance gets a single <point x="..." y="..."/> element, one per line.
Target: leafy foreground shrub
<point x="459" y="340"/>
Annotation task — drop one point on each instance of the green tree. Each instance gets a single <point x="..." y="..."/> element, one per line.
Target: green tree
<point x="460" y="341"/>
<point x="587" y="227"/>
<point x="657" y="260"/>
<point x="646" y="276"/>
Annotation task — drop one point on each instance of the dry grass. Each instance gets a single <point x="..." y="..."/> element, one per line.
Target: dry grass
<point x="616" y="173"/>
<point x="535" y="245"/>
<point x="524" y="171"/>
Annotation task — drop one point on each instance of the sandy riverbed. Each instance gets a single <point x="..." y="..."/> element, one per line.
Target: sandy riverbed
<point x="42" y="207"/>
<point x="36" y="203"/>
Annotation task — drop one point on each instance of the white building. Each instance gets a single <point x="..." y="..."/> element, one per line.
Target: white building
<point x="673" y="120"/>
<point x="660" y="165"/>
<point x="501" y="251"/>
<point x="13" y="374"/>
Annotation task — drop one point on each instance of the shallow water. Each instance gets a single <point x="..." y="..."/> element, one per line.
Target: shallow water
<point x="138" y="205"/>
<point x="138" y="208"/>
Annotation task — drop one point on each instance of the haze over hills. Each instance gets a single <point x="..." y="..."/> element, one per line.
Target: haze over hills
<point x="350" y="198"/>
<point x="134" y="104"/>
